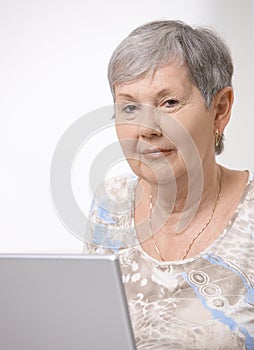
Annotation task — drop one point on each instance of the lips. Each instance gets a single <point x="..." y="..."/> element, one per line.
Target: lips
<point x="154" y="153"/>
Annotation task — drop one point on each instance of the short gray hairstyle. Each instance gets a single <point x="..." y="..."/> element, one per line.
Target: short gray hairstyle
<point x="155" y="44"/>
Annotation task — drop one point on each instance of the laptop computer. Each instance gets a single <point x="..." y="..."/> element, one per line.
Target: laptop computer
<point x="63" y="302"/>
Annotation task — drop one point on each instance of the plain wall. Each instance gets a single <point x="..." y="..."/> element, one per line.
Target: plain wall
<point x="53" y="62"/>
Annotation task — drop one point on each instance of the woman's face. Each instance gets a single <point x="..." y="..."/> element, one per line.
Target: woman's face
<point x="163" y="125"/>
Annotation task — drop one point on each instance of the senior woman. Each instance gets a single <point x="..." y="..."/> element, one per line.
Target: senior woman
<point x="183" y="227"/>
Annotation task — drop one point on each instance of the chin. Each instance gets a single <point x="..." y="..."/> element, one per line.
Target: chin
<point x="156" y="176"/>
<point x="160" y="172"/>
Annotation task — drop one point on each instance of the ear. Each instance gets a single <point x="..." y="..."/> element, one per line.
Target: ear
<point x="222" y="105"/>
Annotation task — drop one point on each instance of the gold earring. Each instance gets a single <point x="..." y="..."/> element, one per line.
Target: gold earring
<point x="217" y="138"/>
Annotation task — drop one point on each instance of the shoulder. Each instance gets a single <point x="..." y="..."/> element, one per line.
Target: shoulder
<point x="245" y="210"/>
<point x="110" y="218"/>
<point x="115" y="194"/>
<point x="250" y="188"/>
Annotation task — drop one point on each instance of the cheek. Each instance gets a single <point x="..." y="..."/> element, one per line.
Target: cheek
<point x="201" y="132"/>
<point x="188" y="139"/>
<point x="128" y="136"/>
<point x="189" y="131"/>
<point x="126" y="131"/>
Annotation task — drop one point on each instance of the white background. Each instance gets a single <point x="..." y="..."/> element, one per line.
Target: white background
<point x="53" y="62"/>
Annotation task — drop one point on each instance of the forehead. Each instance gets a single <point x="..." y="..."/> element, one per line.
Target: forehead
<point x="171" y="79"/>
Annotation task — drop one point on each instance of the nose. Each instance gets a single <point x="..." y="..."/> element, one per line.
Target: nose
<point x="149" y="123"/>
<point x="147" y="131"/>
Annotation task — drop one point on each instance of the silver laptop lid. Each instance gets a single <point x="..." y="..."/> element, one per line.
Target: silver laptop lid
<point x="63" y="302"/>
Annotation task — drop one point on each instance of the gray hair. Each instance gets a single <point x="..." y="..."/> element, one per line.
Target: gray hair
<point x="158" y="43"/>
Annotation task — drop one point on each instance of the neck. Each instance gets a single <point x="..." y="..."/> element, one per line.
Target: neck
<point x="175" y="203"/>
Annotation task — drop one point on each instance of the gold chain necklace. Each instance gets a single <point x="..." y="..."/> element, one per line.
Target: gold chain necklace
<point x="195" y="237"/>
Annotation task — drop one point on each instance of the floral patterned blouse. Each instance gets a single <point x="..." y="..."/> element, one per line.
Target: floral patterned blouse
<point x="204" y="302"/>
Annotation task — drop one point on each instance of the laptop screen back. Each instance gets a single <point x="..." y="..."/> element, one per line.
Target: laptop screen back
<point x="63" y="302"/>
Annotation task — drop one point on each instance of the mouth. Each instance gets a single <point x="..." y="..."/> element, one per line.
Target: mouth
<point x="155" y="153"/>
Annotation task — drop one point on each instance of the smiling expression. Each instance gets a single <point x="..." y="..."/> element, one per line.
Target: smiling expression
<point x="162" y="122"/>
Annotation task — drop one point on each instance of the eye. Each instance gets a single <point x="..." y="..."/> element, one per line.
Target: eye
<point x="129" y="109"/>
<point x="170" y="103"/>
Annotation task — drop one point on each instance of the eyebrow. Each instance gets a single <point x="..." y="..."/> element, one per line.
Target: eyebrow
<point x="164" y="92"/>
<point x="130" y="97"/>
<point x="159" y="94"/>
